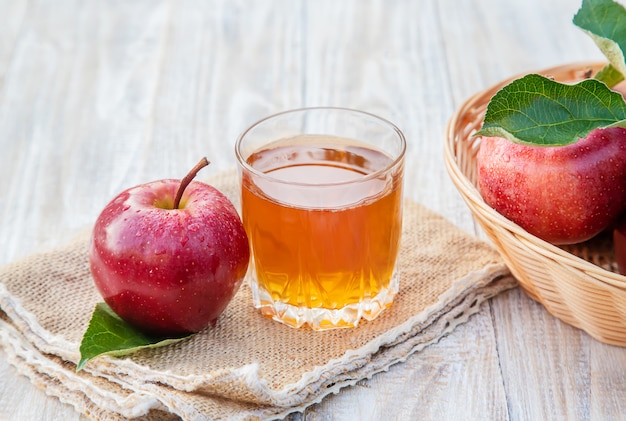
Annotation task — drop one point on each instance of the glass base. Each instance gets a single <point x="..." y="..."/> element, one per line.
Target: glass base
<point x="324" y="318"/>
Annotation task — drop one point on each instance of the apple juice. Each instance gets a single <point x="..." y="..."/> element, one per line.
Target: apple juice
<point x="324" y="224"/>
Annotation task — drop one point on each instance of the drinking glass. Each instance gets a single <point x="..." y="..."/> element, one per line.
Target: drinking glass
<point x="321" y="197"/>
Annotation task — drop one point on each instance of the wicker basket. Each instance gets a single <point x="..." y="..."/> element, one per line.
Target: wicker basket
<point x="578" y="284"/>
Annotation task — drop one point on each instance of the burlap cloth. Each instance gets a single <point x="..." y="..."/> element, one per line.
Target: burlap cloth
<point x="246" y="367"/>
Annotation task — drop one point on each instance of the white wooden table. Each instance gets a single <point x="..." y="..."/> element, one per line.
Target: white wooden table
<point x="99" y="96"/>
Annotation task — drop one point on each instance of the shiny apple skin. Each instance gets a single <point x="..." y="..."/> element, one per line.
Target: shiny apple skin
<point x="561" y="194"/>
<point x="169" y="272"/>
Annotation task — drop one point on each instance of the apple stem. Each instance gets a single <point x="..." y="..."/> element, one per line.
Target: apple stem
<point x="185" y="181"/>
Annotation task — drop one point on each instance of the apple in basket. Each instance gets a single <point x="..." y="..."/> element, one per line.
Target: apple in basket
<point x="169" y="255"/>
<point x="561" y="194"/>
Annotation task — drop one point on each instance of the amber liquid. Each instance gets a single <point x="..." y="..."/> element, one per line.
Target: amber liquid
<point x="329" y="246"/>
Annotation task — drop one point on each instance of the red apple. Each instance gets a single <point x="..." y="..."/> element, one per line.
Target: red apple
<point x="561" y="194"/>
<point x="168" y="256"/>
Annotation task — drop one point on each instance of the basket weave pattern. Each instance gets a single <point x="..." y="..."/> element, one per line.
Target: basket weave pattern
<point x="578" y="284"/>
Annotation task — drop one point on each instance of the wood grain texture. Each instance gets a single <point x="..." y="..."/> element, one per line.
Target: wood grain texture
<point x="98" y="96"/>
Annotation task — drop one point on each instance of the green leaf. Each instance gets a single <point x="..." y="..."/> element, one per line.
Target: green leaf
<point x="539" y="111"/>
<point x="108" y="334"/>
<point x="603" y="21"/>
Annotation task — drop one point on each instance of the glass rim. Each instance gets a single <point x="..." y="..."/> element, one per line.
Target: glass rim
<point x="244" y="165"/>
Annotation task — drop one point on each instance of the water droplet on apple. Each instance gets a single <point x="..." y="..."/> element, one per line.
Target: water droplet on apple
<point x="506" y="158"/>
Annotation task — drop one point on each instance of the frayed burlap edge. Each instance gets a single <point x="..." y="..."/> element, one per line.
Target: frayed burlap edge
<point x="117" y="399"/>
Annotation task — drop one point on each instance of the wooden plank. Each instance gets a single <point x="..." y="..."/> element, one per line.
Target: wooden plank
<point x="73" y="90"/>
<point x="21" y="400"/>
<point x="79" y="80"/>
<point x="456" y="378"/>
<point x="545" y="363"/>
<point x="95" y="98"/>
<point x="13" y="13"/>
<point x="223" y="68"/>
<point x="606" y="382"/>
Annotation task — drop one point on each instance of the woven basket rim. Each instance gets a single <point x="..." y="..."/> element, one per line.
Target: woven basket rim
<point x="470" y="192"/>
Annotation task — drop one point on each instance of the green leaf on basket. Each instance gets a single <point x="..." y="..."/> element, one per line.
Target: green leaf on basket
<point x="536" y="110"/>
<point x="603" y="21"/>
<point x="108" y="334"/>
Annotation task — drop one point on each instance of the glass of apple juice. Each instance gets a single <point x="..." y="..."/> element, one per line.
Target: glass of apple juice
<point x="321" y="197"/>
